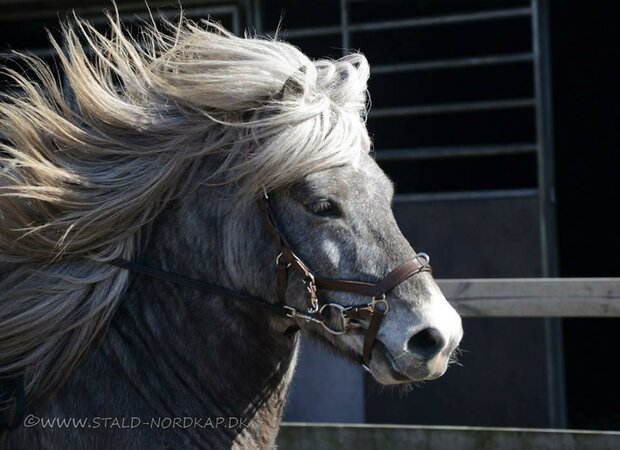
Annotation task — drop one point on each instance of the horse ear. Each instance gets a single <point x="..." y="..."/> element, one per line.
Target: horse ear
<point x="292" y="86"/>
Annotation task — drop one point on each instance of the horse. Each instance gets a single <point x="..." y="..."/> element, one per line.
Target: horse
<point x="176" y="210"/>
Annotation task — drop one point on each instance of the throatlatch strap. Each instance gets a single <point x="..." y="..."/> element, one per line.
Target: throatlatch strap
<point x="281" y="281"/>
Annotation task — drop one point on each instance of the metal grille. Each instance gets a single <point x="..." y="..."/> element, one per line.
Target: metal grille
<point x="493" y="59"/>
<point x="25" y="30"/>
<point x="420" y="136"/>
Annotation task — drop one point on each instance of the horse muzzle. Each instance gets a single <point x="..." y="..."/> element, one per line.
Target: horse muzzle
<point x="423" y="351"/>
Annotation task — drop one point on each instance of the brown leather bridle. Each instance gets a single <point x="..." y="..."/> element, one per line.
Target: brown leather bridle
<point x="333" y="317"/>
<point x="323" y="313"/>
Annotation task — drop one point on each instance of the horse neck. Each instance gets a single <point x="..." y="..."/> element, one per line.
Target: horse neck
<point x="173" y="352"/>
<point x="188" y="355"/>
<point x="208" y="354"/>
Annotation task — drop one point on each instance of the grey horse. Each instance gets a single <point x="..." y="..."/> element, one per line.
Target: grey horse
<point x="160" y="156"/>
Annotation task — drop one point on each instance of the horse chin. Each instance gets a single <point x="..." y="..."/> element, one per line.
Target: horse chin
<point x="385" y="369"/>
<point x="387" y="375"/>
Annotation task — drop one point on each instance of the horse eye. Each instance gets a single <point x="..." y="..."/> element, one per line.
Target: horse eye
<point x="324" y="207"/>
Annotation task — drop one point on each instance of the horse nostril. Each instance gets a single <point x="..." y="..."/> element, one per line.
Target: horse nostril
<point x="426" y="343"/>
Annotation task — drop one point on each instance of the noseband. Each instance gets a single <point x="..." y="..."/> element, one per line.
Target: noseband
<point x="333" y="317"/>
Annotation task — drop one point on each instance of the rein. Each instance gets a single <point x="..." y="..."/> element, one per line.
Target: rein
<point x="346" y="317"/>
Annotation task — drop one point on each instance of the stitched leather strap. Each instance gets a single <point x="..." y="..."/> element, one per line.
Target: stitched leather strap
<point x="391" y="280"/>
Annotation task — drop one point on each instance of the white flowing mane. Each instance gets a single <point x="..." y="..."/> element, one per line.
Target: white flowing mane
<point x="87" y="165"/>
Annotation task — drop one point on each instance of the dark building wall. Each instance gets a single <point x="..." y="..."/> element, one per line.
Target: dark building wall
<point x="586" y="94"/>
<point x="502" y="379"/>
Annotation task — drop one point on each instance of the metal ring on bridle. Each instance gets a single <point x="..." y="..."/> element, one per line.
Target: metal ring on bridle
<point x="380" y="299"/>
<point x="344" y="321"/>
<point x="424" y="256"/>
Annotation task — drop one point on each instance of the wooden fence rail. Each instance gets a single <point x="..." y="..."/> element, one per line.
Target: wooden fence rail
<point x="305" y="436"/>
<point x="534" y="297"/>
